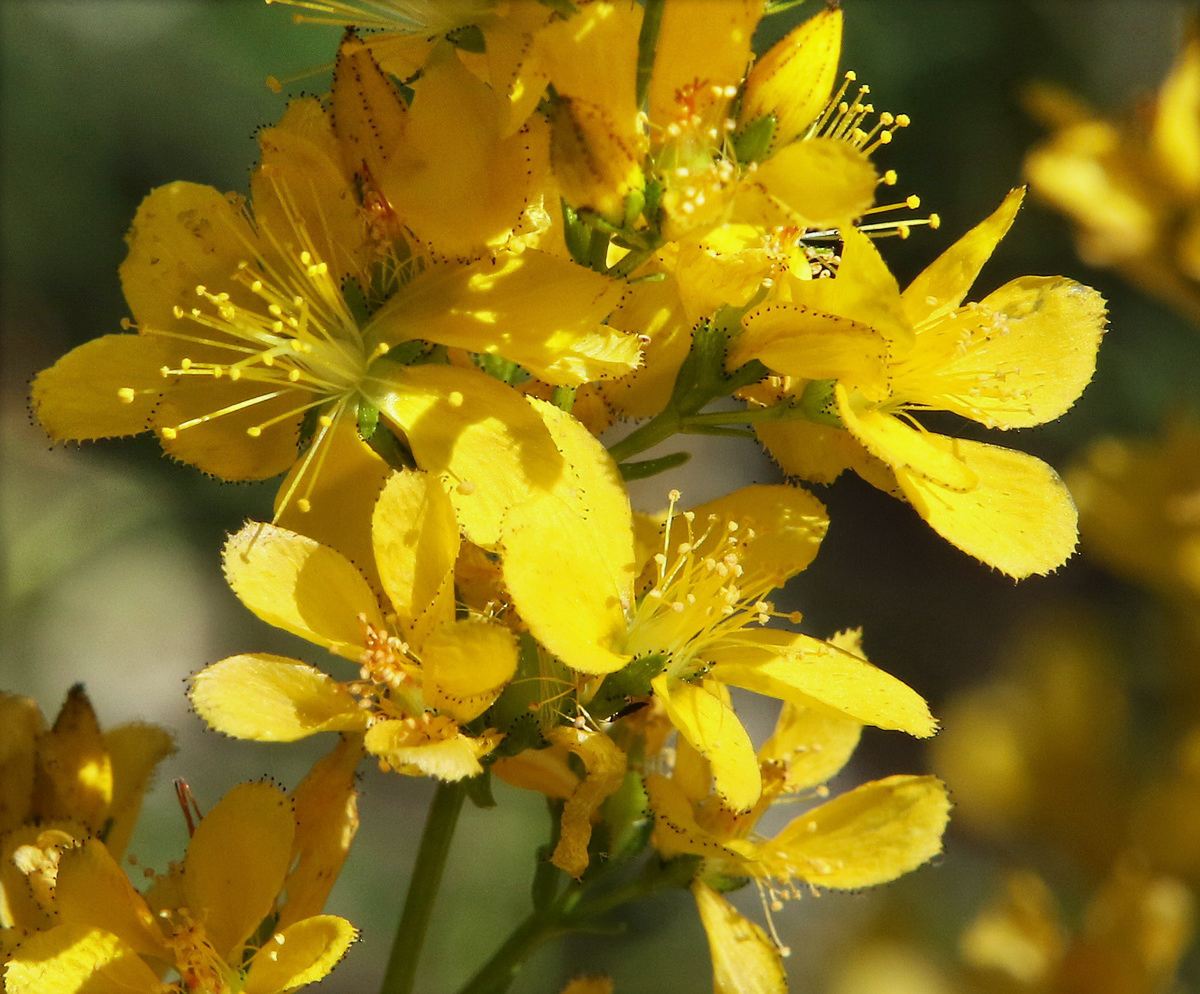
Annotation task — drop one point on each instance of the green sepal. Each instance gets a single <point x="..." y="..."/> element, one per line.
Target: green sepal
<point x="564" y="398"/>
<point x="479" y="790"/>
<point x="368" y="420"/>
<point x="753" y="142"/>
<point x="576" y="234"/>
<point x="631" y="681"/>
<point x="468" y="38"/>
<point x="531" y="703"/>
<point x="652" y="467"/>
<point x="818" y="403"/>
<point x="389" y="447"/>
<point x="497" y="367"/>
<point x="723" y="883"/>
<point x="626" y="812"/>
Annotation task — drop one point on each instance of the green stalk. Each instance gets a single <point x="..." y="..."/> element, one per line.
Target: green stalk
<point x="498" y="973"/>
<point x="647" y="43"/>
<point x="657" y="429"/>
<point x="401" y="970"/>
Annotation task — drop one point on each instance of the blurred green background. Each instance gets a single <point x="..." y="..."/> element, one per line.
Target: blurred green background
<point x="111" y="553"/>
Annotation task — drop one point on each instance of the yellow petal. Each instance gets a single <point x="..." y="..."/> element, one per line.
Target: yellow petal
<point x="224" y="445"/>
<point x="326" y="822"/>
<point x="812" y="673"/>
<point x="184" y="235"/>
<point x="605" y="766"/>
<point x="597" y="141"/>
<point x="1037" y="344"/>
<point x="676" y="831"/>
<point x="236" y="863"/>
<point x="533" y="308"/>
<point x="135" y="750"/>
<point x="76" y="777"/>
<point x="1018" y="933"/>
<point x="795" y="340"/>
<point x="467" y="664"/>
<point x="779" y="529"/>
<point x="349" y="474"/>
<point x="272" y="699"/>
<point x="513" y="66"/>
<point x="299" y="954"/>
<point x="301" y="180"/>
<point x="597" y="163"/>
<point x="457" y="183"/>
<point x="744" y="959"/>
<point x="70" y="959"/>
<point x="870" y="835"/>
<point x="699" y="32"/>
<point x="794" y="79"/>
<point x="1019" y="519"/>
<point x="918" y="454"/>
<point x="416" y="542"/>
<point x="79" y="397"/>
<point x="563" y="587"/>
<point x="811" y="745"/>
<point x="712" y="728"/>
<point x="821" y="182"/>
<point x="437" y="750"/>
<point x="1174" y="135"/>
<point x="475" y="432"/>
<point x="568" y="555"/>
<point x="92" y="890"/>
<point x="864" y="291"/>
<point x="656" y="310"/>
<point x="368" y="112"/>
<point x="544" y="770"/>
<point x="943" y="285"/>
<point x="294" y="583"/>
<point x="21" y="723"/>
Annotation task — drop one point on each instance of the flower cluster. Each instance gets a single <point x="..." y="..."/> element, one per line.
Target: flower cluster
<point x="1131" y="188"/>
<point x="506" y="229"/>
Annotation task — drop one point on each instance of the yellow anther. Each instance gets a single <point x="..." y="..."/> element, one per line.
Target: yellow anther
<point x="126" y="395"/>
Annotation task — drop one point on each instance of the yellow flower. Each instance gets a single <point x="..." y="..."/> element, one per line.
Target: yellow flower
<point x="251" y="337"/>
<point x="744" y="959"/>
<point x="870" y="835"/>
<point x="202" y="921"/>
<point x="423" y="672"/>
<point x="859" y="355"/>
<point x="1139" y="507"/>
<point x="1134" y="932"/>
<point x="494" y="40"/>
<point x="1039" y="752"/>
<point x="58" y="786"/>
<point x="692" y="614"/>
<point x="1132" y="190"/>
<point x="805" y="163"/>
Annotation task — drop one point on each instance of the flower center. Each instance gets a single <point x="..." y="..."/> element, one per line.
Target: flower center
<point x="699" y="597"/>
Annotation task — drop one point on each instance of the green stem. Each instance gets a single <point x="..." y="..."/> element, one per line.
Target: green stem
<point x="572" y="911"/>
<point x="657" y="429"/>
<point x="647" y="43"/>
<point x="498" y="973"/>
<point x="401" y="970"/>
